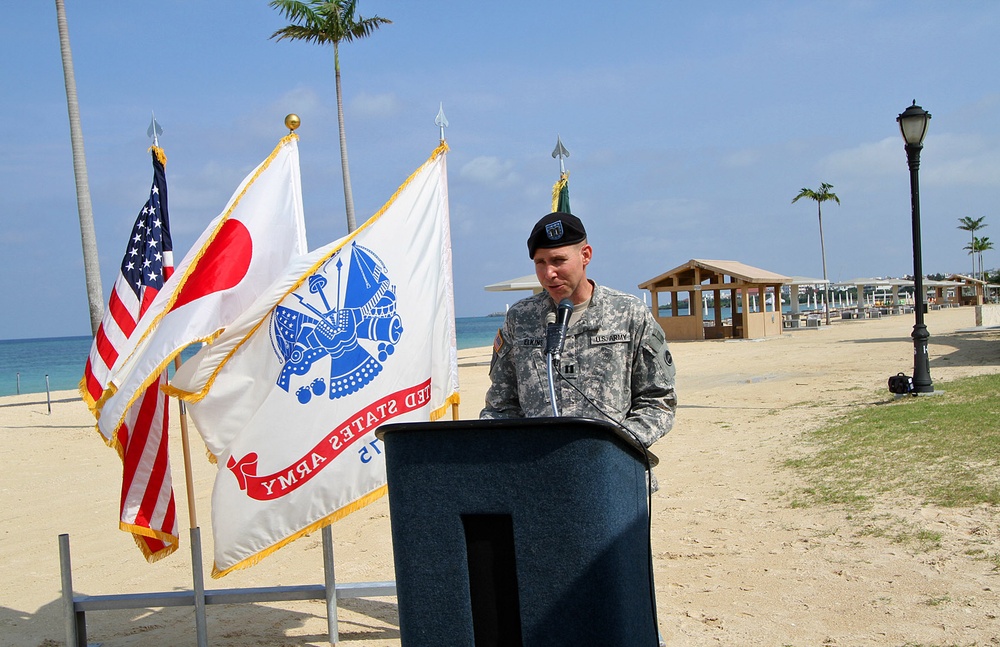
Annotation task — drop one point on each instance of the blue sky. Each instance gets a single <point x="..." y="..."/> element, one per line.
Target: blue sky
<point x="691" y="126"/>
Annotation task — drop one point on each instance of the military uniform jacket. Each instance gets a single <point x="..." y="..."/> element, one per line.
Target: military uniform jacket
<point x="616" y="355"/>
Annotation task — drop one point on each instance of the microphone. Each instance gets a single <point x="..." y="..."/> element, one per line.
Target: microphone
<point x="556" y="325"/>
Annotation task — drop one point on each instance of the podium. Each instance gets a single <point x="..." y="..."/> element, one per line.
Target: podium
<point x="519" y="533"/>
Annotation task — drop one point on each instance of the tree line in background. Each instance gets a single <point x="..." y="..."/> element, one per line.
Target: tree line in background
<point x="975" y="248"/>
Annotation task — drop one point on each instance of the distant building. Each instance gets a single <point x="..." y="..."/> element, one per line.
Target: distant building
<point x="744" y="301"/>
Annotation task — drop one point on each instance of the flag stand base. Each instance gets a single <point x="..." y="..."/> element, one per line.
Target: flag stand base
<point x="77" y="606"/>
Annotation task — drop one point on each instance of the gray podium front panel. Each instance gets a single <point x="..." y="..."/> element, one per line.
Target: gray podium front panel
<point x="549" y="516"/>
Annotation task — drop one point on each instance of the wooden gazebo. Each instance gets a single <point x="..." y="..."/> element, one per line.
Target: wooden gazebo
<point x="753" y="295"/>
<point x="972" y="292"/>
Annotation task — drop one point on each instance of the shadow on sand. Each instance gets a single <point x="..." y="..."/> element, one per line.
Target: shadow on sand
<point x="968" y="347"/>
<point x="361" y="621"/>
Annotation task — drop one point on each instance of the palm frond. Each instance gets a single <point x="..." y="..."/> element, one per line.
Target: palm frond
<point x="822" y="195"/>
<point x="365" y="27"/>
<point x="804" y="193"/>
<point x="301" y="32"/>
<point x="294" y="10"/>
<point x="968" y="223"/>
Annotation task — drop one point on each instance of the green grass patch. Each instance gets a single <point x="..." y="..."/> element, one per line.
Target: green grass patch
<point x="938" y="601"/>
<point x="899" y="531"/>
<point x="942" y="449"/>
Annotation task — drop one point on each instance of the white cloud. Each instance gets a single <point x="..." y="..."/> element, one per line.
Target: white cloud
<point x="667" y="215"/>
<point x="490" y="171"/>
<point x="741" y="159"/>
<point x="867" y="161"/>
<point x="947" y="160"/>
<point x="300" y="99"/>
<point x="266" y="120"/>
<point x="379" y="106"/>
<point x="960" y="161"/>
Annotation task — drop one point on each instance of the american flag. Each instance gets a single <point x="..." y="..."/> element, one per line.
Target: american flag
<point x="148" y="510"/>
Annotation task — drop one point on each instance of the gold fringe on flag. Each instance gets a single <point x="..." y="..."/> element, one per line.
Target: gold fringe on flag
<point x="372" y="496"/>
<point x="160" y="155"/>
<point x="557" y="189"/>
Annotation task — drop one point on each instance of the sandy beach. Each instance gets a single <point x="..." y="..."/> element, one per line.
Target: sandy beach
<point x="735" y="563"/>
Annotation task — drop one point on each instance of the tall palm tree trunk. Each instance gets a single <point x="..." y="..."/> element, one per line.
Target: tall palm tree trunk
<point x="348" y="193"/>
<point x="972" y="246"/>
<point x="822" y="249"/>
<point x="91" y="266"/>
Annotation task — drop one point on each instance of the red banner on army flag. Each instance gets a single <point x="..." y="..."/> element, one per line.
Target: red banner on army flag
<point x="343" y="436"/>
<point x="240" y="253"/>
<point x="357" y="333"/>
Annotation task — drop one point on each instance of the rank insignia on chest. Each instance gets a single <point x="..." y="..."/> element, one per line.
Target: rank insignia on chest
<point x="568" y="371"/>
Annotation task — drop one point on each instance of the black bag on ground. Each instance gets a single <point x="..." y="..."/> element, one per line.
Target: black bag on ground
<point x="900" y="384"/>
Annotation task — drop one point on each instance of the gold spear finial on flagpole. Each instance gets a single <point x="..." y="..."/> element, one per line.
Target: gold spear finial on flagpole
<point x="292" y="122"/>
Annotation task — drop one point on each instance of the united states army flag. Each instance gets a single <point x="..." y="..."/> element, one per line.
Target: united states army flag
<point x="358" y="333"/>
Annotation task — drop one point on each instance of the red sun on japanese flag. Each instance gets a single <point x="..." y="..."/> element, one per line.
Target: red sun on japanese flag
<point x="222" y="266"/>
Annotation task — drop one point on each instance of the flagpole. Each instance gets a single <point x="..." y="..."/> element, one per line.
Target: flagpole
<point x="197" y="566"/>
<point x="561" y="153"/>
<point x="188" y="476"/>
<point x="442" y="122"/>
<point x="292" y="122"/>
<point x="560" y="190"/>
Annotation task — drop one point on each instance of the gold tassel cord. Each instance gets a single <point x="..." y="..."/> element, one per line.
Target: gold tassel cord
<point x="557" y="189"/>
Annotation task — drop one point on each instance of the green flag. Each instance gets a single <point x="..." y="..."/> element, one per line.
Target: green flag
<point x="560" y="194"/>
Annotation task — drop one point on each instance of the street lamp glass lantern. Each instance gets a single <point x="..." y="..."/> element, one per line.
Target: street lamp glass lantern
<point x="913" y="124"/>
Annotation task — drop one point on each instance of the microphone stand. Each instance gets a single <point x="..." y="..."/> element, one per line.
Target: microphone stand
<point x="555" y="337"/>
<point x="552" y="384"/>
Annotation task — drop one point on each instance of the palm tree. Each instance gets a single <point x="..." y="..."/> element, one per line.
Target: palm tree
<point x="975" y="250"/>
<point x="322" y="22"/>
<point x="972" y="225"/>
<point x="91" y="266"/>
<point x="971" y="248"/>
<point x="982" y="245"/>
<point x="821" y="196"/>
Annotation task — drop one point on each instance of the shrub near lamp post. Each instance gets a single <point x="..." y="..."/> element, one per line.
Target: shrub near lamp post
<point x="913" y="125"/>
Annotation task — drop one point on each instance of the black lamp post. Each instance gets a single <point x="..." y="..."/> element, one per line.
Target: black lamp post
<point x="913" y="124"/>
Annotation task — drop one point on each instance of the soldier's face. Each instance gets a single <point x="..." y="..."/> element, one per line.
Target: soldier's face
<point x="562" y="271"/>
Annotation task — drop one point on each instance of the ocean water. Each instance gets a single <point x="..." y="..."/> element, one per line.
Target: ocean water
<point x="26" y="364"/>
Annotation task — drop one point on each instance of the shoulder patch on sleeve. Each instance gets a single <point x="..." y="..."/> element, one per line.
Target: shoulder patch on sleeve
<point x="658" y="344"/>
<point x="499" y="349"/>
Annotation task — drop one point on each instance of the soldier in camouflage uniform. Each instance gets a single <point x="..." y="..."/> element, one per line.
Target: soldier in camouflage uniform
<point x="615" y="352"/>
